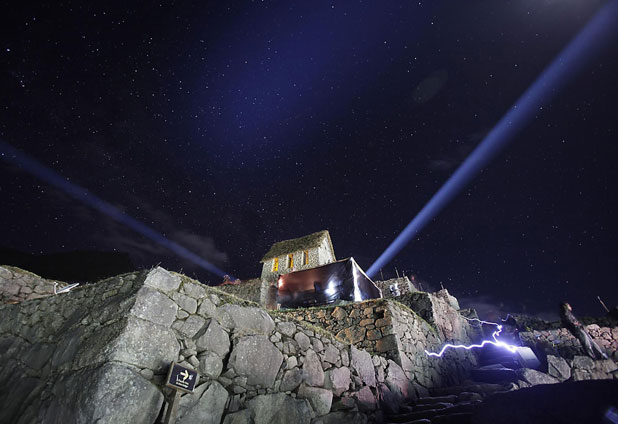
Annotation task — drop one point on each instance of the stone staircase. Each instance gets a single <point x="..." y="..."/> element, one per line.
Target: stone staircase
<point x="456" y="404"/>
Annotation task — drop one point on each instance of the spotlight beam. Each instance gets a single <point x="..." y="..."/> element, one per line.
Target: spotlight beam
<point x="11" y="154"/>
<point x="597" y="33"/>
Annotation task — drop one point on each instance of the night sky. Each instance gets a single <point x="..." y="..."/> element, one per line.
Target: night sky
<point x="228" y="126"/>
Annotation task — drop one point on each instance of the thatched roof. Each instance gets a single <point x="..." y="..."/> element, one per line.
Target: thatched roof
<point x="298" y="244"/>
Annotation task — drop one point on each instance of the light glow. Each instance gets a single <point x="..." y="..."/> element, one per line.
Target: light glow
<point x="495" y="342"/>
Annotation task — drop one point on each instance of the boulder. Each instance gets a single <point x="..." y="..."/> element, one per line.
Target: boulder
<point x="287" y="328"/>
<point x="535" y="377"/>
<point x="152" y="305"/>
<point x="291" y="380"/>
<point x="256" y="358"/>
<point x="331" y="355"/>
<point x="558" y="367"/>
<point x="187" y="303"/>
<point x="207" y="308"/>
<point x="210" y="365"/>
<point x="189" y="327"/>
<point x="303" y="340"/>
<point x="204" y="406"/>
<point x="365" y="400"/>
<point x="245" y="320"/>
<point x="398" y="383"/>
<point x="361" y="362"/>
<point x="163" y="280"/>
<point x="341" y="417"/>
<point x="583" y="363"/>
<point x="314" y="374"/>
<point x="280" y="409"/>
<point x="215" y="339"/>
<point x="319" y="399"/>
<point x="338" y="380"/>
<point x="240" y="417"/>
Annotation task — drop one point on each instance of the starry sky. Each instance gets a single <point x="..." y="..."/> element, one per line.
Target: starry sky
<point x="228" y="126"/>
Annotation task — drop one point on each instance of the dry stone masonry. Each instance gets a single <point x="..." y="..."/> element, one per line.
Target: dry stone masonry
<point x="100" y="354"/>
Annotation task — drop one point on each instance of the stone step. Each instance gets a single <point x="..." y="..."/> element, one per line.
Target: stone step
<point x="430" y="406"/>
<point x="484" y="388"/>
<point x="436" y="399"/>
<point x="493" y="374"/>
<point x="456" y="418"/>
<point x="466" y="407"/>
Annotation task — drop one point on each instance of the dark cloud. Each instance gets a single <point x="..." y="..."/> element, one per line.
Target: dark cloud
<point x="428" y="88"/>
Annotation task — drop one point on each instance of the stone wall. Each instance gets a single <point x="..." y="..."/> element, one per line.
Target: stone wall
<point x="363" y="324"/>
<point x="17" y="285"/>
<point x="247" y="289"/>
<point x="394" y="331"/>
<point x="561" y="342"/>
<point x="100" y="353"/>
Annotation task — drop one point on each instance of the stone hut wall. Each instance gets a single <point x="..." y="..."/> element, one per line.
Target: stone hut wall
<point x="17" y="285"/>
<point x="403" y="283"/>
<point x="100" y="353"/>
<point x="248" y="290"/>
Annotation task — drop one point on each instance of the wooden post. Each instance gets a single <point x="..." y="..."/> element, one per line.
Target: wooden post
<point x="172" y="408"/>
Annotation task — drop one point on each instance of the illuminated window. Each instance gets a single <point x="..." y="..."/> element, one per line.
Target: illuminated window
<point x="290" y="261"/>
<point x="276" y="264"/>
<point x="306" y="257"/>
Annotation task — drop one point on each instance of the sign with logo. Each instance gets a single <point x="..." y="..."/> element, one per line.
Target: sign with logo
<point x="181" y="378"/>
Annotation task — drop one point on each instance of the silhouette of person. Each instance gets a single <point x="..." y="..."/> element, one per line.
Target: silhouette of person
<point x="577" y="329"/>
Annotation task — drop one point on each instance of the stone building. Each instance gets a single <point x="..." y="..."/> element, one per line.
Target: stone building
<point x="297" y="254"/>
<point x="396" y="286"/>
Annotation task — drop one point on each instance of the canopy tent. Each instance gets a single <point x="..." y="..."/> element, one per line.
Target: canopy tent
<point x="343" y="280"/>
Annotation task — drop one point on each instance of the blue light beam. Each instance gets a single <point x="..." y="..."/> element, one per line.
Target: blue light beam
<point x="597" y="33"/>
<point x="11" y="154"/>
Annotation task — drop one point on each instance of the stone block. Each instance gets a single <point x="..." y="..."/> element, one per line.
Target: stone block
<point x="210" y="365"/>
<point x="337" y="380"/>
<point x="312" y="367"/>
<point x="187" y="303"/>
<point x="280" y="409"/>
<point x="163" y="280"/>
<point x="303" y="341"/>
<point x="291" y="380"/>
<point x="245" y="320"/>
<point x="319" y="399"/>
<point x="190" y="326"/>
<point x="194" y="290"/>
<point x="152" y="305"/>
<point x="204" y="406"/>
<point x="256" y="358"/>
<point x="136" y="346"/>
<point x="215" y="339"/>
<point x="361" y="362"/>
